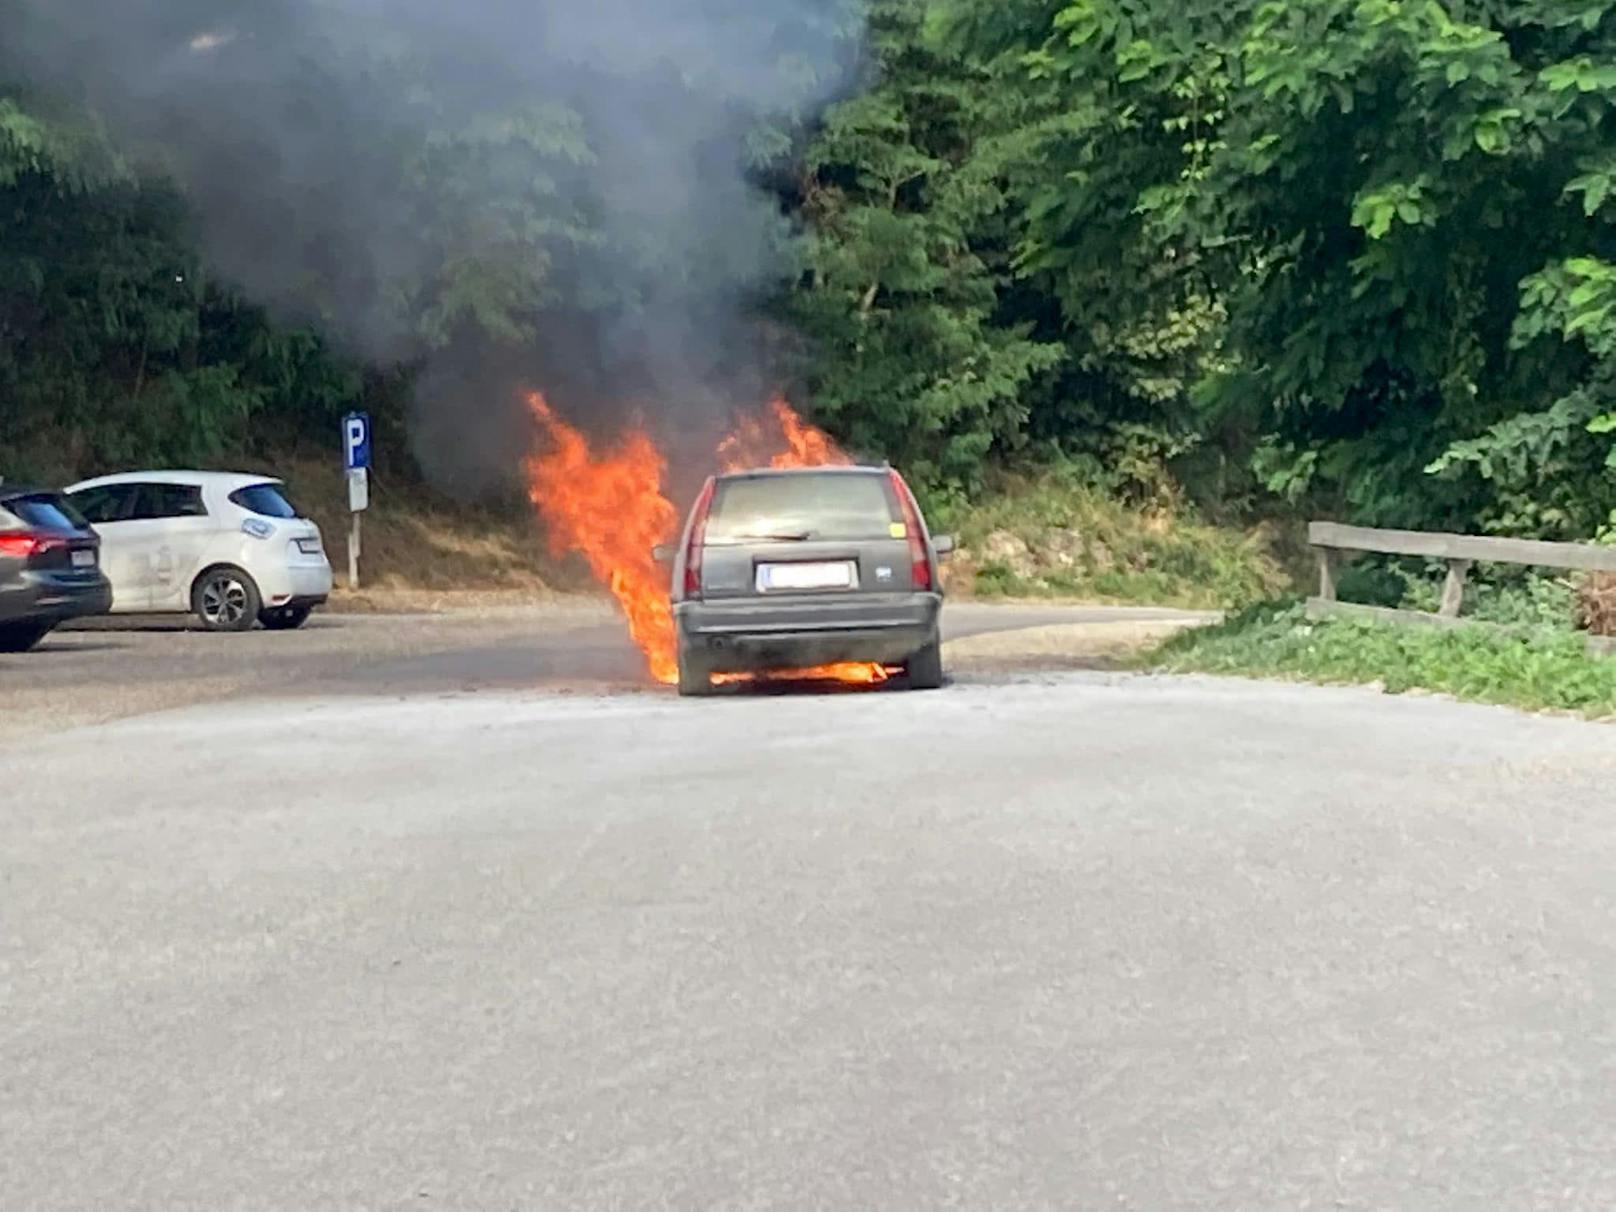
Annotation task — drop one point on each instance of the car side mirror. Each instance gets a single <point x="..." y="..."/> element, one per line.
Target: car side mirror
<point x="663" y="553"/>
<point x="943" y="544"/>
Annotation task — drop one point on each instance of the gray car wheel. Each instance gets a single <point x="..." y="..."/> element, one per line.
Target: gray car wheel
<point x="226" y="599"/>
<point x="925" y="668"/>
<point x="284" y="618"/>
<point x="695" y="679"/>
<point x="20" y="637"/>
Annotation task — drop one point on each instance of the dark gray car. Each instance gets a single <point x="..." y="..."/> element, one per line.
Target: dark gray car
<point x="802" y="568"/>
<point x="50" y="567"/>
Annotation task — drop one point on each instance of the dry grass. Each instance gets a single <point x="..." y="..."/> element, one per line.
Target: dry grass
<point x="422" y="545"/>
<point x="1596" y="604"/>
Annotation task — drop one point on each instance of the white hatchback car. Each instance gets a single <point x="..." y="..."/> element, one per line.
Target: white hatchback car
<point x="229" y="548"/>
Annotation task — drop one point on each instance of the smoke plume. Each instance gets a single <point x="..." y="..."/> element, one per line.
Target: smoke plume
<point x="548" y="192"/>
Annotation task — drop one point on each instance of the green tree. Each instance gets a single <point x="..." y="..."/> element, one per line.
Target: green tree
<point x="1361" y="187"/>
<point x="915" y="354"/>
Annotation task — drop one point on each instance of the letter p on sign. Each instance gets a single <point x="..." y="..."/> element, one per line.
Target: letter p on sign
<point x="356" y="441"/>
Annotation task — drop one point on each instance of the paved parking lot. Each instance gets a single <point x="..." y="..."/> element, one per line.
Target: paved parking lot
<point x="111" y="668"/>
<point x="1037" y="941"/>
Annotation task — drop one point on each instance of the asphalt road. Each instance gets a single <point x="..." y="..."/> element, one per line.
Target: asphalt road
<point x="1035" y="941"/>
<point x="106" y="669"/>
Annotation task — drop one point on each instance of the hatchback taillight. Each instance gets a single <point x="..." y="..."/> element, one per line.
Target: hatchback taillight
<point x="21" y="544"/>
<point x="698" y="538"/>
<point x="919" y="558"/>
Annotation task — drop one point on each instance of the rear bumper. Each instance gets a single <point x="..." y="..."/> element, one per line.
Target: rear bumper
<point x="49" y="598"/>
<point x="297" y="585"/>
<point x="752" y="634"/>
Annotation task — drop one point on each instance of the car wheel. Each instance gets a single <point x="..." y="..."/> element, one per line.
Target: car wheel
<point x="285" y="618"/>
<point x="226" y="599"/>
<point x="20" y="637"/>
<point x="695" y="679"/>
<point x="925" y="668"/>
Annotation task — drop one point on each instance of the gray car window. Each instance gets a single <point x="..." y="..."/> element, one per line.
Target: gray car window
<point x="829" y="505"/>
<point x="169" y="501"/>
<point x="266" y="500"/>
<point x="108" y="503"/>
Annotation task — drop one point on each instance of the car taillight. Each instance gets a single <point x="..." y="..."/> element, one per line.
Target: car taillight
<point x="698" y="539"/>
<point x="24" y="545"/>
<point x="919" y="560"/>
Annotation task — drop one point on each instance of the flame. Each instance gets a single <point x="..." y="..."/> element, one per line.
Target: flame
<point x="849" y="673"/>
<point x="609" y="508"/>
<point x="751" y="445"/>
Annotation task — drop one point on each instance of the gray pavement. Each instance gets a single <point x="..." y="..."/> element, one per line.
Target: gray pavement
<point x="105" y="669"/>
<point x="1052" y="941"/>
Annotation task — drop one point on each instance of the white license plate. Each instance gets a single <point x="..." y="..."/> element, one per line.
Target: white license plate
<point x="774" y="578"/>
<point x="83" y="559"/>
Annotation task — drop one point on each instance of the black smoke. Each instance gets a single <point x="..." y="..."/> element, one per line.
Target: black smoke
<point x="495" y="192"/>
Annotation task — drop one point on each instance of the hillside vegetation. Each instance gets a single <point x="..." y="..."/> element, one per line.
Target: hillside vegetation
<point x="1350" y="258"/>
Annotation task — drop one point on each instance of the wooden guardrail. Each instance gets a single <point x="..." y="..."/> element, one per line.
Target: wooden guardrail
<point x="1331" y="541"/>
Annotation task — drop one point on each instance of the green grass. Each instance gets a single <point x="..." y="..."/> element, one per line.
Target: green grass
<point x="1055" y="537"/>
<point x="1536" y="669"/>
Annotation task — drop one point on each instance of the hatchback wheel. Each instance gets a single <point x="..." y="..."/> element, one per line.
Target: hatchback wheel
<point x="695" y="679"/>
<point x="226" y="599"/>
<point x="20" y="637"/>
<point x="925" y="668"/>
<point x="284" y="618"/>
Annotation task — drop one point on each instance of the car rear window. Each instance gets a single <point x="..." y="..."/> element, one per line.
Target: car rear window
<point x="266" y="500"/>
<point x="45" y="511"/>
<point x="825" y="505"/>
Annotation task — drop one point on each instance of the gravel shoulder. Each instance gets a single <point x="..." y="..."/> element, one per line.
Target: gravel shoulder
<point x="1099" y="645"/>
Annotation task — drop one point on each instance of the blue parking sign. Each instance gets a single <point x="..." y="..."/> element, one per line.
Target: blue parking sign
<point x="356" y="441"/>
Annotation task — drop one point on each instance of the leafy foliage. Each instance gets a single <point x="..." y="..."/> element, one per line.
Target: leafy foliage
<point x="114" y="346"/>
<point x="1352" y="253"/>
<point x="915" y="356"/>
<point x="1347" y="256"/>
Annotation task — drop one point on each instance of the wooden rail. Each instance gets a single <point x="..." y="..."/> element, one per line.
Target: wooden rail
<point x="1331" y="541"/>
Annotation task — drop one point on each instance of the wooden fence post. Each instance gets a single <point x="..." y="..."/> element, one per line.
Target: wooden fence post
<point x="1329" y="565"/>
<point x="1453" y="589"/>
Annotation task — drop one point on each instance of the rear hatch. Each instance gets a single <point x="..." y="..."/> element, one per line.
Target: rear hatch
<point x="268" y="500"/>
<point x="52" y="536"/>
<point x="806" y="534"/>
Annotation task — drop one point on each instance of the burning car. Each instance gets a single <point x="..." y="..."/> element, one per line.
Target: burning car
<point x="824" y="571"/>
<point x="794" y="563"/>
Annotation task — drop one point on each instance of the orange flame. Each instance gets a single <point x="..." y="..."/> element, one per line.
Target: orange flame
<point x="751" y="446"/>
<point x="609" y="508"/>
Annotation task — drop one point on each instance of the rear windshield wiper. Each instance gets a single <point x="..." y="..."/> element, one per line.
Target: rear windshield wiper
<point x="779" y="536"/>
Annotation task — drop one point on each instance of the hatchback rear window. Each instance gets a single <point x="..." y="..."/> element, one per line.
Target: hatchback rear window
<point x="266" y="500"/>
<point x="45" y="511"/>
<point x="826" y="505"/>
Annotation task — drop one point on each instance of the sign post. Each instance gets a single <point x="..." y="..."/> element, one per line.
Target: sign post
<point x="356" y="461"/>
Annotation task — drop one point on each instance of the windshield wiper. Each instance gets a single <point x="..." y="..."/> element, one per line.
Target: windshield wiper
<point x="780" y="536"/>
